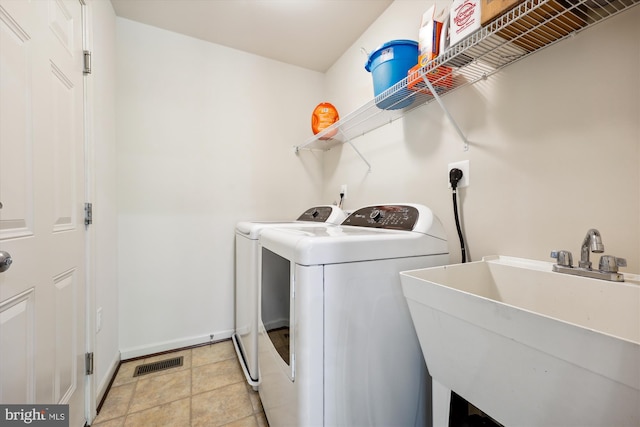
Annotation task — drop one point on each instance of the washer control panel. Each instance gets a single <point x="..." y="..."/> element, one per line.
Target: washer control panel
<point x="393" y="217"/>
<point x="316" y="214"/>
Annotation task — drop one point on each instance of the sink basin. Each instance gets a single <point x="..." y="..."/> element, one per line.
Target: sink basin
<point x="528" y="346"/>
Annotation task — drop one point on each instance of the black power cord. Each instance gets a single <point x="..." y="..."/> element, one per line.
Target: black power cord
<point x="455" y="175"/>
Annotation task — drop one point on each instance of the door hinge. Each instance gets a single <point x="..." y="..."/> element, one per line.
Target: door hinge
<point x="88" y="213"/>
<point x="87" y="62"/>
<point x="88" y="363"/>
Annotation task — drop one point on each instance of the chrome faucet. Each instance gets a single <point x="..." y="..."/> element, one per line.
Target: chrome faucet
<point x="608" y="267"/>
<point x="592" y="241"/>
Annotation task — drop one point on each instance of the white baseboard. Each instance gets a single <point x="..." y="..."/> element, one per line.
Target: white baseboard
<point x="144" y="350"/>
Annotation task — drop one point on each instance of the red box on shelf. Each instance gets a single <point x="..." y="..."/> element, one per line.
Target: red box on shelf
<point x="441" y="79"/>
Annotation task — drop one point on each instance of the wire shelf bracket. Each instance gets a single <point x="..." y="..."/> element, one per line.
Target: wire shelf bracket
<point x="434" y="92"/>
<point x="345" y="140"/>
<point x="360" y="154"/>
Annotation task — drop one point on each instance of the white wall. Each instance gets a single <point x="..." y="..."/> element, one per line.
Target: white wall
<point x="554" y="144"/>
<point x="205" y="136"/>
<point x="101" y="87"/>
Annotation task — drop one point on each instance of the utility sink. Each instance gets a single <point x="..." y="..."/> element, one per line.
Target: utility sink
<point x="529" y="346"/>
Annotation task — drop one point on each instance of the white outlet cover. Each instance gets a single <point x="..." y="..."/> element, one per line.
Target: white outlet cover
<point x="464" y="167"/>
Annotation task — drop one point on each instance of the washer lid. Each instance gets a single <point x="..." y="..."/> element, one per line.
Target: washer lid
<point x="370" y="233"/>
<point x="312" y="217"/>
<point x="342" y="244"/>
<point x="252" y="230"/>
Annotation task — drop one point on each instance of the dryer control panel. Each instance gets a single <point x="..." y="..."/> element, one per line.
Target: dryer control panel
<point x="393" y="217"/>
<point x="316" y="214"/>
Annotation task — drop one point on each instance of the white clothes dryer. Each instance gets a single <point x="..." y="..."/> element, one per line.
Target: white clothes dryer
<point x="337" y="344"/>
<point x="245" y="338"/>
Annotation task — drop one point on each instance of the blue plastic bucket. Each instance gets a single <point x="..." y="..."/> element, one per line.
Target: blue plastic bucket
<point x="389" y="64"/>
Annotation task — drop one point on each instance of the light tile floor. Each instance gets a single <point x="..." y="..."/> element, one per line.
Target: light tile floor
<point x="208" y="390"/>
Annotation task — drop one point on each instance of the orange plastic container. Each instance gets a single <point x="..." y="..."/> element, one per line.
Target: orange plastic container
<point x="324" y="115"/>
<point x="441" y="78"/>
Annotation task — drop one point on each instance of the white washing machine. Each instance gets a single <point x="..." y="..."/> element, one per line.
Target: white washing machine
<point x="245" y="338"/>
<point x="339" y="348"/>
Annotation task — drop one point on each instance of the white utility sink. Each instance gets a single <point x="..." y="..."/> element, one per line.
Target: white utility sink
<point x="528" y="346"/>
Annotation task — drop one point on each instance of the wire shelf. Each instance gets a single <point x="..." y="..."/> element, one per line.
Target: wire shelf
<point x="528" y="27"/>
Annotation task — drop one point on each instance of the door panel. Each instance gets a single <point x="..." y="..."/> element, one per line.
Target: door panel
<point x="66" y="333"/>
<point x="63" y="122"/>
<point x="16" y="348"/>
<point x="42" y="294"/>
<point x="16" y="163"/>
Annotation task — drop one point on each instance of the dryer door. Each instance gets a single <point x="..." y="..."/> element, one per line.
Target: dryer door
<point x="275" y="305"/>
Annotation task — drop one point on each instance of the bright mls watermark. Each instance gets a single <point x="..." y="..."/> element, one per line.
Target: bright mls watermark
<point x="34" y="415"/>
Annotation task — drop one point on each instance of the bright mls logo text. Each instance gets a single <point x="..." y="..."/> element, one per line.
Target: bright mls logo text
<point x="39" y="415"/>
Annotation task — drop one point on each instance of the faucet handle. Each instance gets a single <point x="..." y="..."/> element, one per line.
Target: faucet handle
<point x="610" y="263"/>
<point x="565" y="259"/>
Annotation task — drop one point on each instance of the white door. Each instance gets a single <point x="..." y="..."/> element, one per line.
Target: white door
<point x="42" y="294"/>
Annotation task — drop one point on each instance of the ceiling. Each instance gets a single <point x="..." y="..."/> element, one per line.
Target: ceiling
<point x="311" y="34"/>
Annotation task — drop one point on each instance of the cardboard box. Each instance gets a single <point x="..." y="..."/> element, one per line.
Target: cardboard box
<point x="464" y="19"/>
<point x="548" y="23"/>
<point x="491" y="9"/>
<point x="430" y="33"/>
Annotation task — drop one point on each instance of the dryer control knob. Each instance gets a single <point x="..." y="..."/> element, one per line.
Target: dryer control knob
<point x="375" y="215"/>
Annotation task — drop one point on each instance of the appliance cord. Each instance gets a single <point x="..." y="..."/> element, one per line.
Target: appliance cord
<point x="455" y="175"/>
<point x="460" y="236"/>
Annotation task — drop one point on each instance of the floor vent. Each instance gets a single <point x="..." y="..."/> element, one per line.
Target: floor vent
<point x="149" y="368"/>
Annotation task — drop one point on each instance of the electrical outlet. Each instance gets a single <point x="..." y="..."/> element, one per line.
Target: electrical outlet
<point x="99" y="320"/>
<point x="343" y="190"/>
<point x="464" y="167"/>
